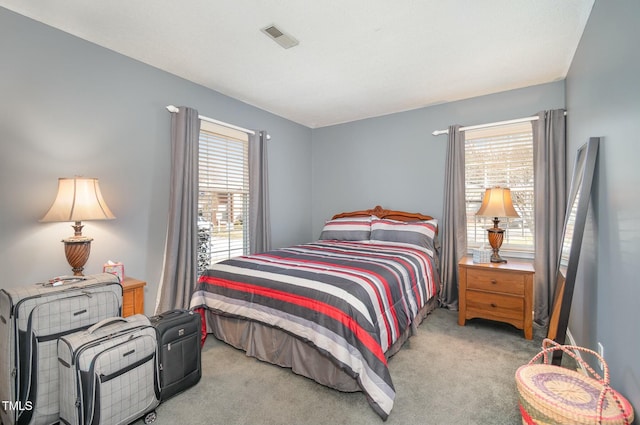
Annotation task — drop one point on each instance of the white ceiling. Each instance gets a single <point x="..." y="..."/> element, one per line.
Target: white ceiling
<point x="356" y="58"/>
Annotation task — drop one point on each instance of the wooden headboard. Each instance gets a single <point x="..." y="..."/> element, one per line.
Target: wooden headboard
<point x="379" y="212"/>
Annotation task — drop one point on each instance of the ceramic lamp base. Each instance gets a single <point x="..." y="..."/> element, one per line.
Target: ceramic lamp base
<point x="77" y="250"/>
<point x="496" y="236"/>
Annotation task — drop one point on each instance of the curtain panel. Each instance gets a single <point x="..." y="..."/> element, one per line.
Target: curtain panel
<point x="549" y="163"/>
<point x="454" y="219"/>
<point x="179" y="270"/>
<point x="259" y="220"/>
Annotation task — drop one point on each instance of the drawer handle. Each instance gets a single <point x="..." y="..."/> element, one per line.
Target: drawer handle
<point x="493" y="305"/>
<point x="494" y="281"/>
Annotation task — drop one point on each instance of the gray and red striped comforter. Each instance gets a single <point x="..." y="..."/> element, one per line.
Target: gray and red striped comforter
<point x="350" y="300"/>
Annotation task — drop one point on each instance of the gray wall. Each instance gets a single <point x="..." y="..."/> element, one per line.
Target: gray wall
<point x="69" y="107"/>
<point x="603" y="99"/>
<point x="394" y="161"/>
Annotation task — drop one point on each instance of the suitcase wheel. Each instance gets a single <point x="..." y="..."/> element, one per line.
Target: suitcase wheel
<point x="150" y="417"/>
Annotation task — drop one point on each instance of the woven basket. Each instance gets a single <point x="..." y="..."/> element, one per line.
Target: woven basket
<point x="551" y="394"/>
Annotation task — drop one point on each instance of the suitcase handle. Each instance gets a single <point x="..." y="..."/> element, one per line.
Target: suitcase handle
<point x="64" y="280"/>
<point x="105" y="322"/>
<point x="171" y="313"/>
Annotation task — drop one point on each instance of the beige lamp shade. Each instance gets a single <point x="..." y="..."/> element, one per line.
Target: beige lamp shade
<point x="497" y="203"/>
<point x="78" y="199"/>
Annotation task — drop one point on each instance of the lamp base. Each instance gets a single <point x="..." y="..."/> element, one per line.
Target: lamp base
<point x="77" y="250"/>
<point x="496" y="258"/>
<point x="496" y="236"/>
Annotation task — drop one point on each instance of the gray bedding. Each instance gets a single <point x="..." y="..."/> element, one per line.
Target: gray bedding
<point x="277" y="347"/>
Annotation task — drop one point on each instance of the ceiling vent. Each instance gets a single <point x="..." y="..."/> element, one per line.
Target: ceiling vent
<point x="279" y="36"/>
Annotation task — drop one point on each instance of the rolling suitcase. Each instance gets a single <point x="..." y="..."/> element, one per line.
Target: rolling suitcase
<point x="109" y="373"/>
<point x="32" y="318"/>
<point x="178" y="333"/>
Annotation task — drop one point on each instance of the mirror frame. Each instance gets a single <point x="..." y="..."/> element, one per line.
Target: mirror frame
<point x="577" y="204"/>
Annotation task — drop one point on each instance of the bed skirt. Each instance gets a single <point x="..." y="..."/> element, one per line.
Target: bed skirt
<point x="278" y="347"/>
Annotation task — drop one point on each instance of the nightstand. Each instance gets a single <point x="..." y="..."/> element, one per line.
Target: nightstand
<point x="132" y="296"/>
<point x="497" y="291"/>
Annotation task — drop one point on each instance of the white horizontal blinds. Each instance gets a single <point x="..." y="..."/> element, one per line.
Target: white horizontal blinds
<point x="223" y="200"/>
<point x="500" y="156"/>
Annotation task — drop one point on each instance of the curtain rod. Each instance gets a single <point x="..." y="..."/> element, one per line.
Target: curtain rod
<point x="491" y="124"/>
<point x="172" y="108"/>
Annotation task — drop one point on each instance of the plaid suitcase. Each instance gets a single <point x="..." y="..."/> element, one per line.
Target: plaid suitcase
<point x="32" y="318"/>
<point x="178" y="333"/>
<point x="109" y="373"/>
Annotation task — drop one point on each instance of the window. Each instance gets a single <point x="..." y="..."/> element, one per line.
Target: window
<point x="501" y="156"/>
<point x="223" y="197"/>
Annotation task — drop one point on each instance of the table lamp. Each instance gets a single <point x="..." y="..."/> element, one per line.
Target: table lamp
<point x="79" y="199"/>
<point x="496" y="203"/>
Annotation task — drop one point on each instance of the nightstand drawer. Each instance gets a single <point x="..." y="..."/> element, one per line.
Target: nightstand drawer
<point x="494" y="306"/>
<point x="128" y="309"/>
<point x="132" y="296"/>
<point x="489" y="280"/>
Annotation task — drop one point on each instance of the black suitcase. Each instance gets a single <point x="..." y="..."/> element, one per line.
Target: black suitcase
<point x="178" y="334"/>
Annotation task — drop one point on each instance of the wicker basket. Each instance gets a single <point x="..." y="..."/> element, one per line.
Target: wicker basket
<point x="551" y="394"/>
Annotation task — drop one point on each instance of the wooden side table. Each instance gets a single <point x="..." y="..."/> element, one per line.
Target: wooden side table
<point x="497" y="291"/>
<point x="132" y="296"/>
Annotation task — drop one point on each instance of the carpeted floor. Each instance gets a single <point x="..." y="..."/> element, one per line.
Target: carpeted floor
<point x="446" y="374"/>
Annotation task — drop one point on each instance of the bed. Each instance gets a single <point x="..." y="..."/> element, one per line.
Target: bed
<point x="334" y="310"/>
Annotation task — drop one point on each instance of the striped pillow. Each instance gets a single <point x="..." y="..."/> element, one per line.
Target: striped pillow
<point x="420" y="233"/>
<point x="347" y="229"/>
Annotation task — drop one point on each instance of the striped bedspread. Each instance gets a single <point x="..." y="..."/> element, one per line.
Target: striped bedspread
<point x="350" y="300"/>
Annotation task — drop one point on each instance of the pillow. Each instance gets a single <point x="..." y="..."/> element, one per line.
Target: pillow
<point x="419" y="233"/>
<point x="347" y="229"/>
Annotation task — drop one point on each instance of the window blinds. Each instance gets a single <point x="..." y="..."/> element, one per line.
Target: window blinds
<point x="500" y="156"/>
<point x="223" y="199"/>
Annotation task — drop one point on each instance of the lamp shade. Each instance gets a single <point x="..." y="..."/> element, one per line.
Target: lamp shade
<point x="497" y="203"/>
<point x="78" y="199"/>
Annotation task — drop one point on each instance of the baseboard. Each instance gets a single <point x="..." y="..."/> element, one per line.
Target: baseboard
<point x="578" y="354"/>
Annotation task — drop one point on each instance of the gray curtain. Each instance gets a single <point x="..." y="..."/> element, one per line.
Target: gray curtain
<point x="454" y="219"/>
<point x="259" y="227"/>
<point x="179" y="271"/>
<point x="549" y="163"/>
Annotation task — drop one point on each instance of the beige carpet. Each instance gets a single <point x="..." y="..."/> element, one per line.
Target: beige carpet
<point x="446" y="374"/>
